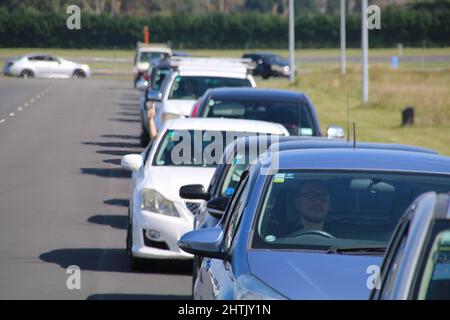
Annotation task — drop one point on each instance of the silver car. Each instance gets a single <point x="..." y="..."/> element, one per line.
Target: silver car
<point x="417" y="263"/>
<point x="45" y="66"/>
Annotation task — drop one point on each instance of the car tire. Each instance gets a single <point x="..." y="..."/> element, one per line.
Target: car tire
<point x="136" y="264"/>
<point x="145" y="138"/>
<point x="26" y="74"/>
<point x="266" y="74"/>
<point x="79" y="74"/>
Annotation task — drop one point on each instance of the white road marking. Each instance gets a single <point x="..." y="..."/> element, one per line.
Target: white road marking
<point x="2" y="120"/>
<point x="26" y="104"/>
<point x="12" y="114"/>
<point x="32" y="100"/>
<point x="38" y="96"/>
<point x="19" y="108"/>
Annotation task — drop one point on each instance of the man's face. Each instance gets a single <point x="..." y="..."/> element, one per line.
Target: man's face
<point x="313" y="201"/>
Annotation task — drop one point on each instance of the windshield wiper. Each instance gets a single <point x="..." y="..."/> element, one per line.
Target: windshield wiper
<point x="348" y="250"/>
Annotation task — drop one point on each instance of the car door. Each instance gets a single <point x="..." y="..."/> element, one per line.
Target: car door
<point x="216" y="278"/>
<point x="50" y="66"/>
<point x="38" y="65"/>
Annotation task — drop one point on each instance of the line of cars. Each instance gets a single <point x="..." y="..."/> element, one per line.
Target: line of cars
<point x="277" y="211"/>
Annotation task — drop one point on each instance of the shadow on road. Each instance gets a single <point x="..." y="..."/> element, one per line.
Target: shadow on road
<point x="120" y="136"/>
<point x="115" y="221"/>
<point x="118" y="202"/>
<point x="112" y="260"/>
<point x="113" y="144"/>
<point x="125" y="296"/>
<point x="107" y="172"/>
<point x="115" y="162"/>
<point x="118" y="152"/>
<point x="130" y="114"/>
<point x="125" y="120"/>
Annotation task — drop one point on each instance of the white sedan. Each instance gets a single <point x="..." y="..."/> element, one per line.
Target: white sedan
<point x="158" y="215"/>
<point x="45" y="66"/>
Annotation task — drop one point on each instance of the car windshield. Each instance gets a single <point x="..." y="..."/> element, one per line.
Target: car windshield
<point x="294" y="116"/>
<point x="194" y="148"/>
<point x="329" y="210"/>
<point x="153" y="57"/>
<point x="191" y="88"/>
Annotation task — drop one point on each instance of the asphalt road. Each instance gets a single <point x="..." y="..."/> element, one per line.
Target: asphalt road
<point x="63" y="197"/>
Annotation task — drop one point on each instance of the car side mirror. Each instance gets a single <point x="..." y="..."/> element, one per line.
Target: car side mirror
<point x="132" y="162"/>
<point x="154" y="95"/>
<point x="203" y="242"/>
<point x="142" y="85"/>
<point x="334" y="132"/>
<point x="217" y="206"/>
<point x="194" y="191"/>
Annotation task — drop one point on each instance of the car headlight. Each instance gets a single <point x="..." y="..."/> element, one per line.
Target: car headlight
<point x="167" y="116"/>
<point x="152" y="200"/>
<point x="286" y="69"/>
<point x="249" y="287"/>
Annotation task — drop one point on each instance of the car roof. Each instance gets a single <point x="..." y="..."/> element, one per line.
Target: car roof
<point x="311" y="142"/>
<point x="321" y="143"/>
<point x="362" y="159"/>
<point x="212" y="66"/>
<point x="213" y="72"/>
<point x="255" y="94"/>
<point x="155" y="49"/>
<point x="216" y="124"/>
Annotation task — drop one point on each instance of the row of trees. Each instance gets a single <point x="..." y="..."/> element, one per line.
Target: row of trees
<point x="197" y="7"/>
<point x="28" y="28"/>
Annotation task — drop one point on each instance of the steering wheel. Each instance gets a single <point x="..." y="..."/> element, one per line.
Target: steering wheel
<point x="311" y="232"/>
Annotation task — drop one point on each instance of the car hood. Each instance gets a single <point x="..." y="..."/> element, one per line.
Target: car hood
<point x="300" y="275"/>
<point x="168" y="180"/>
<point x="181" y="107"/>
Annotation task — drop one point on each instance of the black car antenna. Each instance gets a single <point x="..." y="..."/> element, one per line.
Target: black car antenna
<point x="354" y="136"/>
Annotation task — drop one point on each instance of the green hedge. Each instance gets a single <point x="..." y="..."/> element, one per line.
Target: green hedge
<point x="27" y="28"/>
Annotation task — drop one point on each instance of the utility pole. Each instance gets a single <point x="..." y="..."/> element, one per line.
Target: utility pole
<point x="364" y="52"/>
<point x="291" y="42"/>
<point x="343" y="40"/>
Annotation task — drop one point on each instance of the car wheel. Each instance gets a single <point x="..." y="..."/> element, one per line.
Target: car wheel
<point x="79" y="74"/>
<point x="145" y="138"/>
<point x="266" y="74"/>
<point x="26" y="74"/>
<point x="134" y="263"/>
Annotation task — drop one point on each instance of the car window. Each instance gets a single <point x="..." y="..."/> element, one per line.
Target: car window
<point x="435" y="284"/>
<point x="235" y="213"/>
<point x="194" y="147"/>
<point x="392" y="271"/>
<point x="193" y="87"/>
<point x="159" y="76"/>
<point x="347" y="209"/>
<point x="295" y="116"/>
<point x="232" y="179"/>
<point x="36" y="58"/>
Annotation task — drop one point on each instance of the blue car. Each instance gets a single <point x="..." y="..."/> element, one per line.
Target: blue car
<point x="313" y="226"/>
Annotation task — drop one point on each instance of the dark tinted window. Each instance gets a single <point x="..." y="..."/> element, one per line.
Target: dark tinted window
<point x="294" y="116"/>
